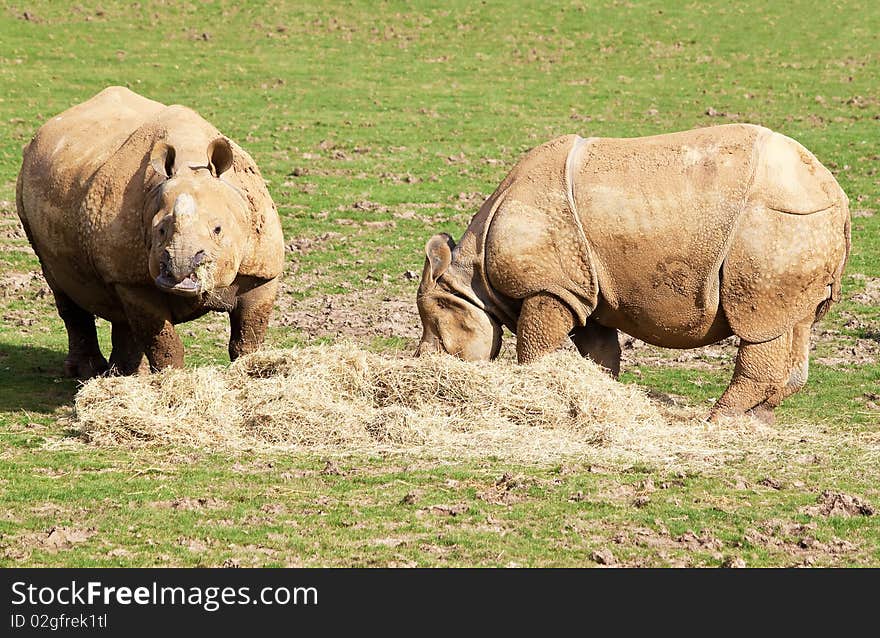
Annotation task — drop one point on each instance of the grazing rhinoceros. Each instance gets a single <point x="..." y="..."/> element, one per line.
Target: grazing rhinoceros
<point x="145" y="215"/>
<point x="679" y="240"/>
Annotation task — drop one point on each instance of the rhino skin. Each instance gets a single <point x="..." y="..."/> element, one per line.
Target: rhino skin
<point x="680" y="240"/>
<point x="146" y="216"/>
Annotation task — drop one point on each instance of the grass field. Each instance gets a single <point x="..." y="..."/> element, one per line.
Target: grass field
<point x="376" y="125"/>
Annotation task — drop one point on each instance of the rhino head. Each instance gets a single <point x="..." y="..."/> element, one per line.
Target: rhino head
<point x="198" y="233"/>
<point x="454" y="320"/>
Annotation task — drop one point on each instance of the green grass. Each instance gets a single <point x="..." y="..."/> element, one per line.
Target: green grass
<point x="402" y="104"/>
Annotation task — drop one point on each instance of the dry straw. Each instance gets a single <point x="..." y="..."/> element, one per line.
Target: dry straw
<point x="342" y="399"/>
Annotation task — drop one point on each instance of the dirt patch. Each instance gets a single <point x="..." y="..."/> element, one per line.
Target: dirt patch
<point x="446" y="510"/>
<point x="838" y="504"/>
<point x="53" y="540"/>
<point x="704" y="541"/>
<point x="17" y="284"/>
<point x="798" y="541"/>
<point x="10" y="226"/>
<point x="187" y="504"/>
<point x="858" y="352"/>
<point x="367" y="313"/>
<point x="870" y="296"/>
<point x="507" y="490"/>
<point x="638" y="353"/>
<point x="305" y="245"/>
<point x="603" y="557"/>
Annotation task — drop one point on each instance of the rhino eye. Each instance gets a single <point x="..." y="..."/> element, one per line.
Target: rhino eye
<point x="217" y="230"/>
<point x="162" y="231"/>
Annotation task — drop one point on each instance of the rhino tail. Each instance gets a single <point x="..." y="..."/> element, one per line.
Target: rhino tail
<point x="837" y="277"/>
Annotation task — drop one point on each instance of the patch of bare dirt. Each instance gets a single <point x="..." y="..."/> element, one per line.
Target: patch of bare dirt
<point x="798" y="540"/>
<point x="10" y="225"/>
<point x="49" y="509"/>
<point x="604" y="557"/>
<point x="839" y="504"/>
<point x="17" y="284"/>
<point x="862" y="352"/>
<point x="734" y="562"/>
<point x="191" y="504"/>
<point x="53" y="540"/>
<point x="506" y="490"/>
<point x="446" y="510"/>
<point x="367" y="313"/>
<point x="870" y="296"/>
<point x="636" y="352"/>
<point x="194" y="545"/>
<point x="305" y="245"/>
<point x="704" y="541"/>
<point x="713" y="112"/>
<point x="661" y="544"/>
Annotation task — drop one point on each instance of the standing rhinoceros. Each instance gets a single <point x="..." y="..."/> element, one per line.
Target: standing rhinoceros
<point x="145" y="215"/>
<point x="680" y="240"/>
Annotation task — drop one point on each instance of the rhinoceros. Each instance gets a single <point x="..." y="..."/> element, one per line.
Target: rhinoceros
<point x="680" y="240"/>
<point x="145" y="215"/>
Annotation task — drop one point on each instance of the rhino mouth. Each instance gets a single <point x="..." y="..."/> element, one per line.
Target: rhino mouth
<point x="187" y="287"/>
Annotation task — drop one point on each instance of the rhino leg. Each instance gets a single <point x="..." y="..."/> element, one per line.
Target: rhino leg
<point x="544" y="323"/>
<point x="599" y="344"/>
<point x="127" y="356"/>
<point x="759" y="379"/>
<point x="799" y="358"/>
<point x="249" y="318"/>
<point x="84" y="359"/>
<point x="798" y="366"/>
<point x="151" y="327"/>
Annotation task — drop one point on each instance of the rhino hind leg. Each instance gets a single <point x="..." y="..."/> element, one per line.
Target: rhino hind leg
<point x="759" y="379"/>
<point x="84" y="359"/>
<point x="797" y="367"/>
<point x="799" y="359"/>
<point x="544" y="323"/>
<point x="599" y="344"/>
<point x="127" y="356"/>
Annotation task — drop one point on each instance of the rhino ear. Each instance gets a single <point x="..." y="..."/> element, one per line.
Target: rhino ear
<point x="219" y="156"/>
<point x="438" y="253"/>
<point x="162" y="159"/>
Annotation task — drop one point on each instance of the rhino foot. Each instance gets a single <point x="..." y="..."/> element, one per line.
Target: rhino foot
<point x="85" y="367"/>
<point x="763" y="413"/>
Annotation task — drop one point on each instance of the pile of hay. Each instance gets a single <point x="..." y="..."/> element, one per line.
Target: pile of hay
<point x="342" y="399"/>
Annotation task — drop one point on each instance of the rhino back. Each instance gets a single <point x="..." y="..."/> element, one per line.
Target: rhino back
<point x="58" y="168"/>
<point x="658" y="213"/>
<point x="68" y="149"/>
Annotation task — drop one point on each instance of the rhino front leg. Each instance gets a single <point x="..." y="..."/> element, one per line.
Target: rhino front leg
<point x="84" y="359"/>
<point x="249" y="319"/>
<point x="599" y="344"/>
<point x="151" y="327"/>
<point x="759" y="377"/>
<point x="127" y="356"/>
<point x="544" y="323"/>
